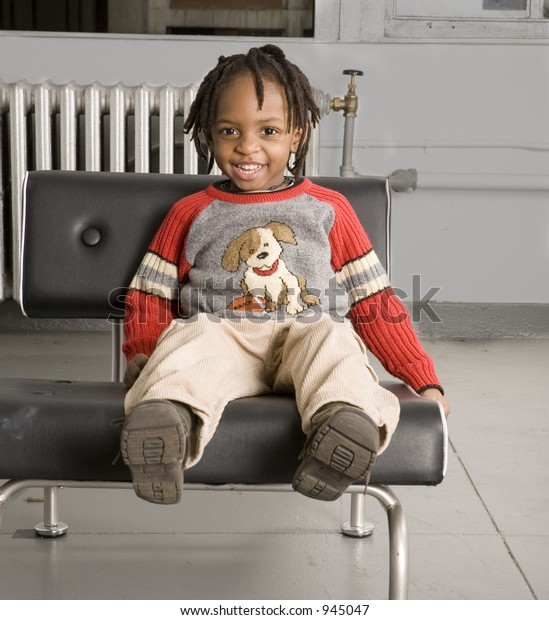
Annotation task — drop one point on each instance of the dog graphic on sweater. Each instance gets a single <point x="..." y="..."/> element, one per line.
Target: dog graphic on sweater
<point x="267" y="283"/>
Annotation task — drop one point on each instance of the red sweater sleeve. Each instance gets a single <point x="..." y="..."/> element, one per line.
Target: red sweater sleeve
<point x="152" y="300"/>
<point x="379" y="317"/>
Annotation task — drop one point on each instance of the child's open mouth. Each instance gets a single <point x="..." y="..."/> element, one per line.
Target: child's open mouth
<point x="248" y="170"/>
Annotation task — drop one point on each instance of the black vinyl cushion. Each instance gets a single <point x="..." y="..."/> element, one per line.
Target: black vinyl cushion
<point x="61" y="430"/>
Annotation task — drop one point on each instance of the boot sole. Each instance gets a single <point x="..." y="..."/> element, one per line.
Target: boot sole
<point x="343" y="451"/>
<point x="153" y="444"/>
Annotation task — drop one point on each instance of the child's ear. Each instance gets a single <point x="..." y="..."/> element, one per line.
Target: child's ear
<point x="296" y="138"/>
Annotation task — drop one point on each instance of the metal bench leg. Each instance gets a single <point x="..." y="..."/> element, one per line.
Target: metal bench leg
<point x="398" y="541"/>
<point x="51" y="527"/>
<point x="8" y="491"/>
<point x="4" y="499"/>
<point x="357" y="526"/>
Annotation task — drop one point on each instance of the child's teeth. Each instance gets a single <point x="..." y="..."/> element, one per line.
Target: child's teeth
<point x="249" y="169"/>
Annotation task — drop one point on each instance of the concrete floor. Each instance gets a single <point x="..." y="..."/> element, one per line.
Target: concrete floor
<point x="482" y="534"/>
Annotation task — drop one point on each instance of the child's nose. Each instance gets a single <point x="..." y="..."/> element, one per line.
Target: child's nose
<point x="248" y="144"/>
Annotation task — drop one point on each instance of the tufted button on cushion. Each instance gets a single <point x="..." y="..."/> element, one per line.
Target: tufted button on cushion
<point x="90" y="237"/>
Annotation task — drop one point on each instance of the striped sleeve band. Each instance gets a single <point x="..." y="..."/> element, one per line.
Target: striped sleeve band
<point x="363" y="277"/>
<point x="156" y="276"/>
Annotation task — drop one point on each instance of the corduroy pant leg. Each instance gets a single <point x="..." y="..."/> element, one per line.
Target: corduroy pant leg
<point x="205" y="362"/>
<point x="326" y="361"/>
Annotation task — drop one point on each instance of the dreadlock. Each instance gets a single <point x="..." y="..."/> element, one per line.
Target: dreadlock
<point x="267" y="62"/>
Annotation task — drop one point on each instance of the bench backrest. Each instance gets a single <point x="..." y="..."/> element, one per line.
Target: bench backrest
<point x="85" y="233"/>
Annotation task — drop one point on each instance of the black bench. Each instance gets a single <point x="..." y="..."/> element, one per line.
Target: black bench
<point x="84" y="235"/>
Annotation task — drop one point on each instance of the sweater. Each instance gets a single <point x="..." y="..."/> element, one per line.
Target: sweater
<point x="272" y="256"/>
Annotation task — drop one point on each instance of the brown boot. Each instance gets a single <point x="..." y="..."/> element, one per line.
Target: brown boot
<point x="154" y="444"/>
<point x="341" y="451"/>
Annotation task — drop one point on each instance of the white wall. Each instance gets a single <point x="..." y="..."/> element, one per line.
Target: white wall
<point x="453" y="108"/>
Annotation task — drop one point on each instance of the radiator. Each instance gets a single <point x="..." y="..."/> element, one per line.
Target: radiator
<point x="92" y="127"/>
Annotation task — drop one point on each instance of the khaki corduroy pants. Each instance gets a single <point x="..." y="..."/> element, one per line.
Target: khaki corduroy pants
<point x="206" y="362"/>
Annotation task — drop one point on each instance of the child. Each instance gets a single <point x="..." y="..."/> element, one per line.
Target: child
<point x="269" y="273"/>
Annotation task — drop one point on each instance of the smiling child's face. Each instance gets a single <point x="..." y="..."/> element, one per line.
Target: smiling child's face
<point x="251" y="145"/>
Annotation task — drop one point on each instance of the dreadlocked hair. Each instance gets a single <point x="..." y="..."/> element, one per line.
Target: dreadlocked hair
<point x="263" y="63"/>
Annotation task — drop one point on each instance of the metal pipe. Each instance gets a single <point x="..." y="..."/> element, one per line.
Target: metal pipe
<point x="50" y="506"/>
<point x="346" y="169"/>
<point x="190" y="156"/>
<point x="92" y="104"/>
<point x="483" y="181"/>
<point x="312" y="162"/>
<point x="117" y="337"/>
<point x="358" y="527"/>
<point x="349" y="106"/>
<point x="51" y="527"/>
<point x="357" y="510"/>
<point x="118" y="128"/>
<point x="42" y="137"/>
<point x="142" y="129"/>
<point x="67" y="113"/>
<point x="313" y="156"/>
<point x="429" y="144"/>
<point x="166" y="110"/>
<point x="3" y="208"/>
<point x="398" y="541"/>
<point x="19" y="105"/>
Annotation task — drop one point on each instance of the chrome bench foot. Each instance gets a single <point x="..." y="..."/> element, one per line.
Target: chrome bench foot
<point x="357" y="527"/>
<point x="51" y="527"/>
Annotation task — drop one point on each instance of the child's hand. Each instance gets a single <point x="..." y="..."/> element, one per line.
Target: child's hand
<point x="437" y="395"/>
<point x="134" y="369"/>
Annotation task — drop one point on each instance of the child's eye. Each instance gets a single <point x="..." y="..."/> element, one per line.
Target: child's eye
<point x="270" y="131"/>
<point x="228" y="131"/>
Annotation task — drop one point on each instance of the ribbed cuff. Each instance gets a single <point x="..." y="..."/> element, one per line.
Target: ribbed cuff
<point x="139" y="345"/>
<point x="429" y="387"/>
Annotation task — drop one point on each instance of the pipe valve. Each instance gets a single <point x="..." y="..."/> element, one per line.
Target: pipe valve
<point x="349" y="104"/>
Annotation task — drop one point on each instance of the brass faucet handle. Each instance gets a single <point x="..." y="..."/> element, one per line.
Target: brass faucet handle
<point x="353" y="73"/>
